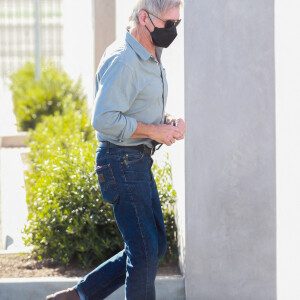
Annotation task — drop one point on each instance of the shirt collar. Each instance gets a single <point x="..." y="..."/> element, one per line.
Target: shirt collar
<point x="139" y="49"/>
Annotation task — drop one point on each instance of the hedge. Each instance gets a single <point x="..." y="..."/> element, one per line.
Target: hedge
<point x="35" y="99"/>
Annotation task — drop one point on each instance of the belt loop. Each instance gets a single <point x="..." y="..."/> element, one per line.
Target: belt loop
<point x="152" y="151"/>
<point x="107" y="148"/>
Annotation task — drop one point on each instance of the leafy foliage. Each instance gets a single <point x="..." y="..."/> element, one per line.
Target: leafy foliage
<point x="167" y="195"/>
<point x="34" y="99"/>
<point x="68" y="219"/>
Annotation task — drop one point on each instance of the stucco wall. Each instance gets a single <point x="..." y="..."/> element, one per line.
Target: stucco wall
<point x="287" y="50"/>
<point x="230" y="150"/>
<point x="78" y="43"/>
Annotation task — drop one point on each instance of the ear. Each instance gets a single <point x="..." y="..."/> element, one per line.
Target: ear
<point x="142" y="17"/>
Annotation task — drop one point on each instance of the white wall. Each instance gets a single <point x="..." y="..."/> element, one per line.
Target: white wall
<point x="173" y="61"/>
<point x="287" y="50"/>
<point x="123" y="11"/>
<point x="78" y="44"/>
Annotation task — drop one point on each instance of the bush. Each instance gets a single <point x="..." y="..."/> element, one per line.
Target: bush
<point x="68" y="220"/>
<point x="167" y="194"/>
<point x="34" y="99"/>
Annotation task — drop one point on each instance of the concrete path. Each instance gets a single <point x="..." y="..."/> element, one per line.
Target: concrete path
<point x="167" y="288"/>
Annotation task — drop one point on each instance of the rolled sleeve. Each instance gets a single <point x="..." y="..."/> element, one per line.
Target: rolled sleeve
<point x="115" y="93"/>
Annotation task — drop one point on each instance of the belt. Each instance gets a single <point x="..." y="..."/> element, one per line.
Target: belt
<point x="142" y="148"/>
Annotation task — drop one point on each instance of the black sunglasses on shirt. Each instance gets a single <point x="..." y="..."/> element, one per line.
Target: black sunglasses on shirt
<point x="168" y="23"/>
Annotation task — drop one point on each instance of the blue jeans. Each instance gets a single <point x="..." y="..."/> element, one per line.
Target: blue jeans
<point x="127" y="182"/>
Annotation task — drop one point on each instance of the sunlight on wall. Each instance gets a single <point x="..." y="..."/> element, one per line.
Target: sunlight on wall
<point x="78" y="44"/>
<point x="287" y="49"/>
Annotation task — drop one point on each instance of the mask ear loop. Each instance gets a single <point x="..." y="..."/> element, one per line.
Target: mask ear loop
<point x="150" y="21"/>
<point x="148" y="29"/>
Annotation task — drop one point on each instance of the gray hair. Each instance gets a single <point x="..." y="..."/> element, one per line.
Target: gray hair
<point x="156" y="7"/>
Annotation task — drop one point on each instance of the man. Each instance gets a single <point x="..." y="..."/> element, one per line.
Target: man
<point x="129" y="118"/>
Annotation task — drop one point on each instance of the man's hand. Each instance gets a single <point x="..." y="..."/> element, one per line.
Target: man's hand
<point x="178" y="123"/>
<point x="162" y="133"/>
<point x="182" y="127"/>
<point x="166" y="134"/>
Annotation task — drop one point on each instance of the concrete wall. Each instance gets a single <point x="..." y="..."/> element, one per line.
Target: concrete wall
<point x="173" y="61"/>
<point x="287" y="50"/>
<point x="13" y="210"/>
<point x="104" y="26"/>
<point x="88" y="28"/>
<point x="78" y="42"/>
<point x="123" y="11"/>
<point x="230" y="150"/>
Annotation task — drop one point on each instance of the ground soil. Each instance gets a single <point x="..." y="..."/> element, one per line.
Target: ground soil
<point x="21" y="265"/>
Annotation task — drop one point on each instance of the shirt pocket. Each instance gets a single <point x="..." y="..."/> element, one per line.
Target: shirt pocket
<point x="107" y="183"/>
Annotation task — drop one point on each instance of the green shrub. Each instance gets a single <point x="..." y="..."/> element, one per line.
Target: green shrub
<point x="34" y="99"/>
<point x="68" y="219"/>
<point x="167" y="194"/>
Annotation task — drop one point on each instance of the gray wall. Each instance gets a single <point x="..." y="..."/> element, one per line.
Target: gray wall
<point x="104" y="26"/>
<point x="230" y="150"/>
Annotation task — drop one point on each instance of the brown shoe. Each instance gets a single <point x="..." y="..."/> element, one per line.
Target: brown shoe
<point x="69" y="294"/>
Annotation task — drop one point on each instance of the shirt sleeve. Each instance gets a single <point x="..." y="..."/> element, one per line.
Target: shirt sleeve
<point x="116" y="90"/>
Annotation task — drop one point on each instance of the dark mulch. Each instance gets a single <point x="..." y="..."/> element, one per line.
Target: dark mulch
<point x="22" y="265"/>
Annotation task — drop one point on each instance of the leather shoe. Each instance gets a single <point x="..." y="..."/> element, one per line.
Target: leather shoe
<point x="69" y="294"/>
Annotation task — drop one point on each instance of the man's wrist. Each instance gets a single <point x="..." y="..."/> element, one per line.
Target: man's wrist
<point x="150" y="130"/>
<point x="144" y="130"/>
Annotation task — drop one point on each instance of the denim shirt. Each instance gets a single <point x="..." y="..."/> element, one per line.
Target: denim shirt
<point x="130" y="86"/>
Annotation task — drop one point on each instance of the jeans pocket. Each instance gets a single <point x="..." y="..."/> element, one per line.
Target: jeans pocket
<point x="107" y="183"/>
<point x="131" y="158"/>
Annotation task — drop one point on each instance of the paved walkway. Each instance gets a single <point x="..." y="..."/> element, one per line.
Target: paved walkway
<point x="167" y="288"/>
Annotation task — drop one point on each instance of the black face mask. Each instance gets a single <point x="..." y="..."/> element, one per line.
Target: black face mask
<point x="163" y="37"/>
